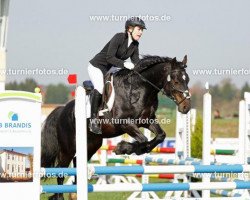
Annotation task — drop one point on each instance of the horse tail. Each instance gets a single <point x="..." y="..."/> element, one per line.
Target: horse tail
<point x="49" y="142"/>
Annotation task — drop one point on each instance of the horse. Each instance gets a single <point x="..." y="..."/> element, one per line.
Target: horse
<point x="136" y="97"/>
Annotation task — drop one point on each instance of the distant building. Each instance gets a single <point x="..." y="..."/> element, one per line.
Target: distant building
<point x="12" y="163"/>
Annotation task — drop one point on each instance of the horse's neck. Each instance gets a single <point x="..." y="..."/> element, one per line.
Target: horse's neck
<point x="155" y="75"/>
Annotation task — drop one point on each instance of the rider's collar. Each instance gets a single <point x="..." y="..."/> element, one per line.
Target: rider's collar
<point x="130" y="40"/>
<point x="128" y="35"/>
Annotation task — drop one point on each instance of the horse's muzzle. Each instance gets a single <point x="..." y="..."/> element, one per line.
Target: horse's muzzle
<point x="185" y="106"/>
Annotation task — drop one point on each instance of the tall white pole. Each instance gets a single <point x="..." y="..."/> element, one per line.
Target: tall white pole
<point x="247" y="126"/>
<point x="4" y="15"/>
<point x="207" y="107"/>
<point x="81" y="144"/>
<point x="179" y="144"/>
<point x="242" y="132"/>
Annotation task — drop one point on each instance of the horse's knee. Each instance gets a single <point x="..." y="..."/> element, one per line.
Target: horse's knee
<point x="161" y="137"/>
<point x="144" y="139"/>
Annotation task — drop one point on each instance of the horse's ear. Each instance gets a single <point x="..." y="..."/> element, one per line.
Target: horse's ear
<point x="184" y="60"/>
<point x="174" y="59"/>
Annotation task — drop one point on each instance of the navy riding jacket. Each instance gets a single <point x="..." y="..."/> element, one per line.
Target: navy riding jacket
<point x="115" y="52"/>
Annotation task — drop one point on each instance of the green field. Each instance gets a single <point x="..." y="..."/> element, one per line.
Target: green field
<point x="107" y="195"/>
<point x="220" y="128"/>
<point x="104" y="196"/>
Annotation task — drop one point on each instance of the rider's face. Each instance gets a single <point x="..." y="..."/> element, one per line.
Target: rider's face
<point x="136" y="33"/>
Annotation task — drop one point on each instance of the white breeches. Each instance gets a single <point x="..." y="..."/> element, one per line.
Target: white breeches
<point x="96" y="76"/>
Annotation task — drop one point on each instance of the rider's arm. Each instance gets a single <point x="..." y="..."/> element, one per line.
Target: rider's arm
<point x="111" y="53"/>
<point x="135" y="56"/>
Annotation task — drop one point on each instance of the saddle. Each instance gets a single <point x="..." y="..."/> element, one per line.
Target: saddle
<point x="108" y="95"/>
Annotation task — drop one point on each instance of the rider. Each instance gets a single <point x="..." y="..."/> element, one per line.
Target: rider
<point x="121" y="47"/>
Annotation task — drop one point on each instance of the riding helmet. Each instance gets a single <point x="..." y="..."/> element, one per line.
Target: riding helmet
<point x="135" y="21"/>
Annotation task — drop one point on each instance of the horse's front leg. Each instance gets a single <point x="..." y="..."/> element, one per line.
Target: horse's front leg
<point x="128" y="148"/>
<point x="135" y="133"/>
<point x="160" y="135"/>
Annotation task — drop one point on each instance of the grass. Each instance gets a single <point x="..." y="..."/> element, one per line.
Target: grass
<point x="108" y="195"/>
<point x="225" y="128"/>
<point x="51" y="181"/>
<point x="124" y="195"/>
<point x="103" y="195"/>
<point x="221" y="128"/>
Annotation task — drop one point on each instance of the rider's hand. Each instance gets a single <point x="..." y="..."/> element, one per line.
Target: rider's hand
<point x="129" y="65"/>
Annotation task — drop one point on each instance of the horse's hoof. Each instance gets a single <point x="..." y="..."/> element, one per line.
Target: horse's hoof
<point x="117" y="150"/>
<point x="55" y="197"/>
<point x="123" y="148"/>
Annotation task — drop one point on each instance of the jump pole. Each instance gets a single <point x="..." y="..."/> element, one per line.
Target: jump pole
<point x="207" y="106"/>
<point x="247" y="127"/>
<point x="81" y="144"/>
<point x="242" y="122"/>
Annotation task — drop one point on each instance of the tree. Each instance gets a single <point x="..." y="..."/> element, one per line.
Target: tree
<point x="196" y="139"/>
<point x="31" y="159"/>
<point x="57" y="94"/>
<point x="28" y="85"/>
<point x="245" y="88"/>
<point x="228" y="90"/>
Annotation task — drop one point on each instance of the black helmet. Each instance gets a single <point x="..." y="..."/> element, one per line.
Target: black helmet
<point x="135" y="21"/>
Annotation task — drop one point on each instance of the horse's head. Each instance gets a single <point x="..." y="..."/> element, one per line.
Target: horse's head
<point x="176" y="84"/>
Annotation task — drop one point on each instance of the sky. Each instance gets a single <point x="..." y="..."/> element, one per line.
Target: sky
<point x="24" y="150"/>
<point x="215" y="35"/>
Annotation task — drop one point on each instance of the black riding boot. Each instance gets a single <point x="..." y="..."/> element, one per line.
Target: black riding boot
<point x="95" y="103"/>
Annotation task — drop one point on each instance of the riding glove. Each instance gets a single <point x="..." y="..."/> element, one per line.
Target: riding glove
<point x="129" y="65"/>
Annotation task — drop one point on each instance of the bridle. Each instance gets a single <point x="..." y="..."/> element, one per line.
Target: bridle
<point x="185" y="93"/>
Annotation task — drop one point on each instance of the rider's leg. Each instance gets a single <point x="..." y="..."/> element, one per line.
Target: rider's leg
<point x="95" y="103"/>
<point x="96" y="77"/>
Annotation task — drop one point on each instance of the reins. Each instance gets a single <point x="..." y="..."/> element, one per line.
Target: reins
<point x="185" y="93"/>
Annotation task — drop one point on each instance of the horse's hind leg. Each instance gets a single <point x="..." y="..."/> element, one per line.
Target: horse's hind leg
<point x="64" y="161"/>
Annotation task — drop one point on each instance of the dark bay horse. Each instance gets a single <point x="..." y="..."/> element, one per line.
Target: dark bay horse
<point x="136" y="98"/>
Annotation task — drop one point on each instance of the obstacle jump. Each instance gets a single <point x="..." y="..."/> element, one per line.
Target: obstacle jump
<point x="160" y="169"/>
<point x="83" y="187"/>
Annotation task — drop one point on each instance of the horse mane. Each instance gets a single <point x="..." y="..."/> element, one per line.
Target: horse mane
<point x="146" y="62"/>
<point x="149" y="60"/>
